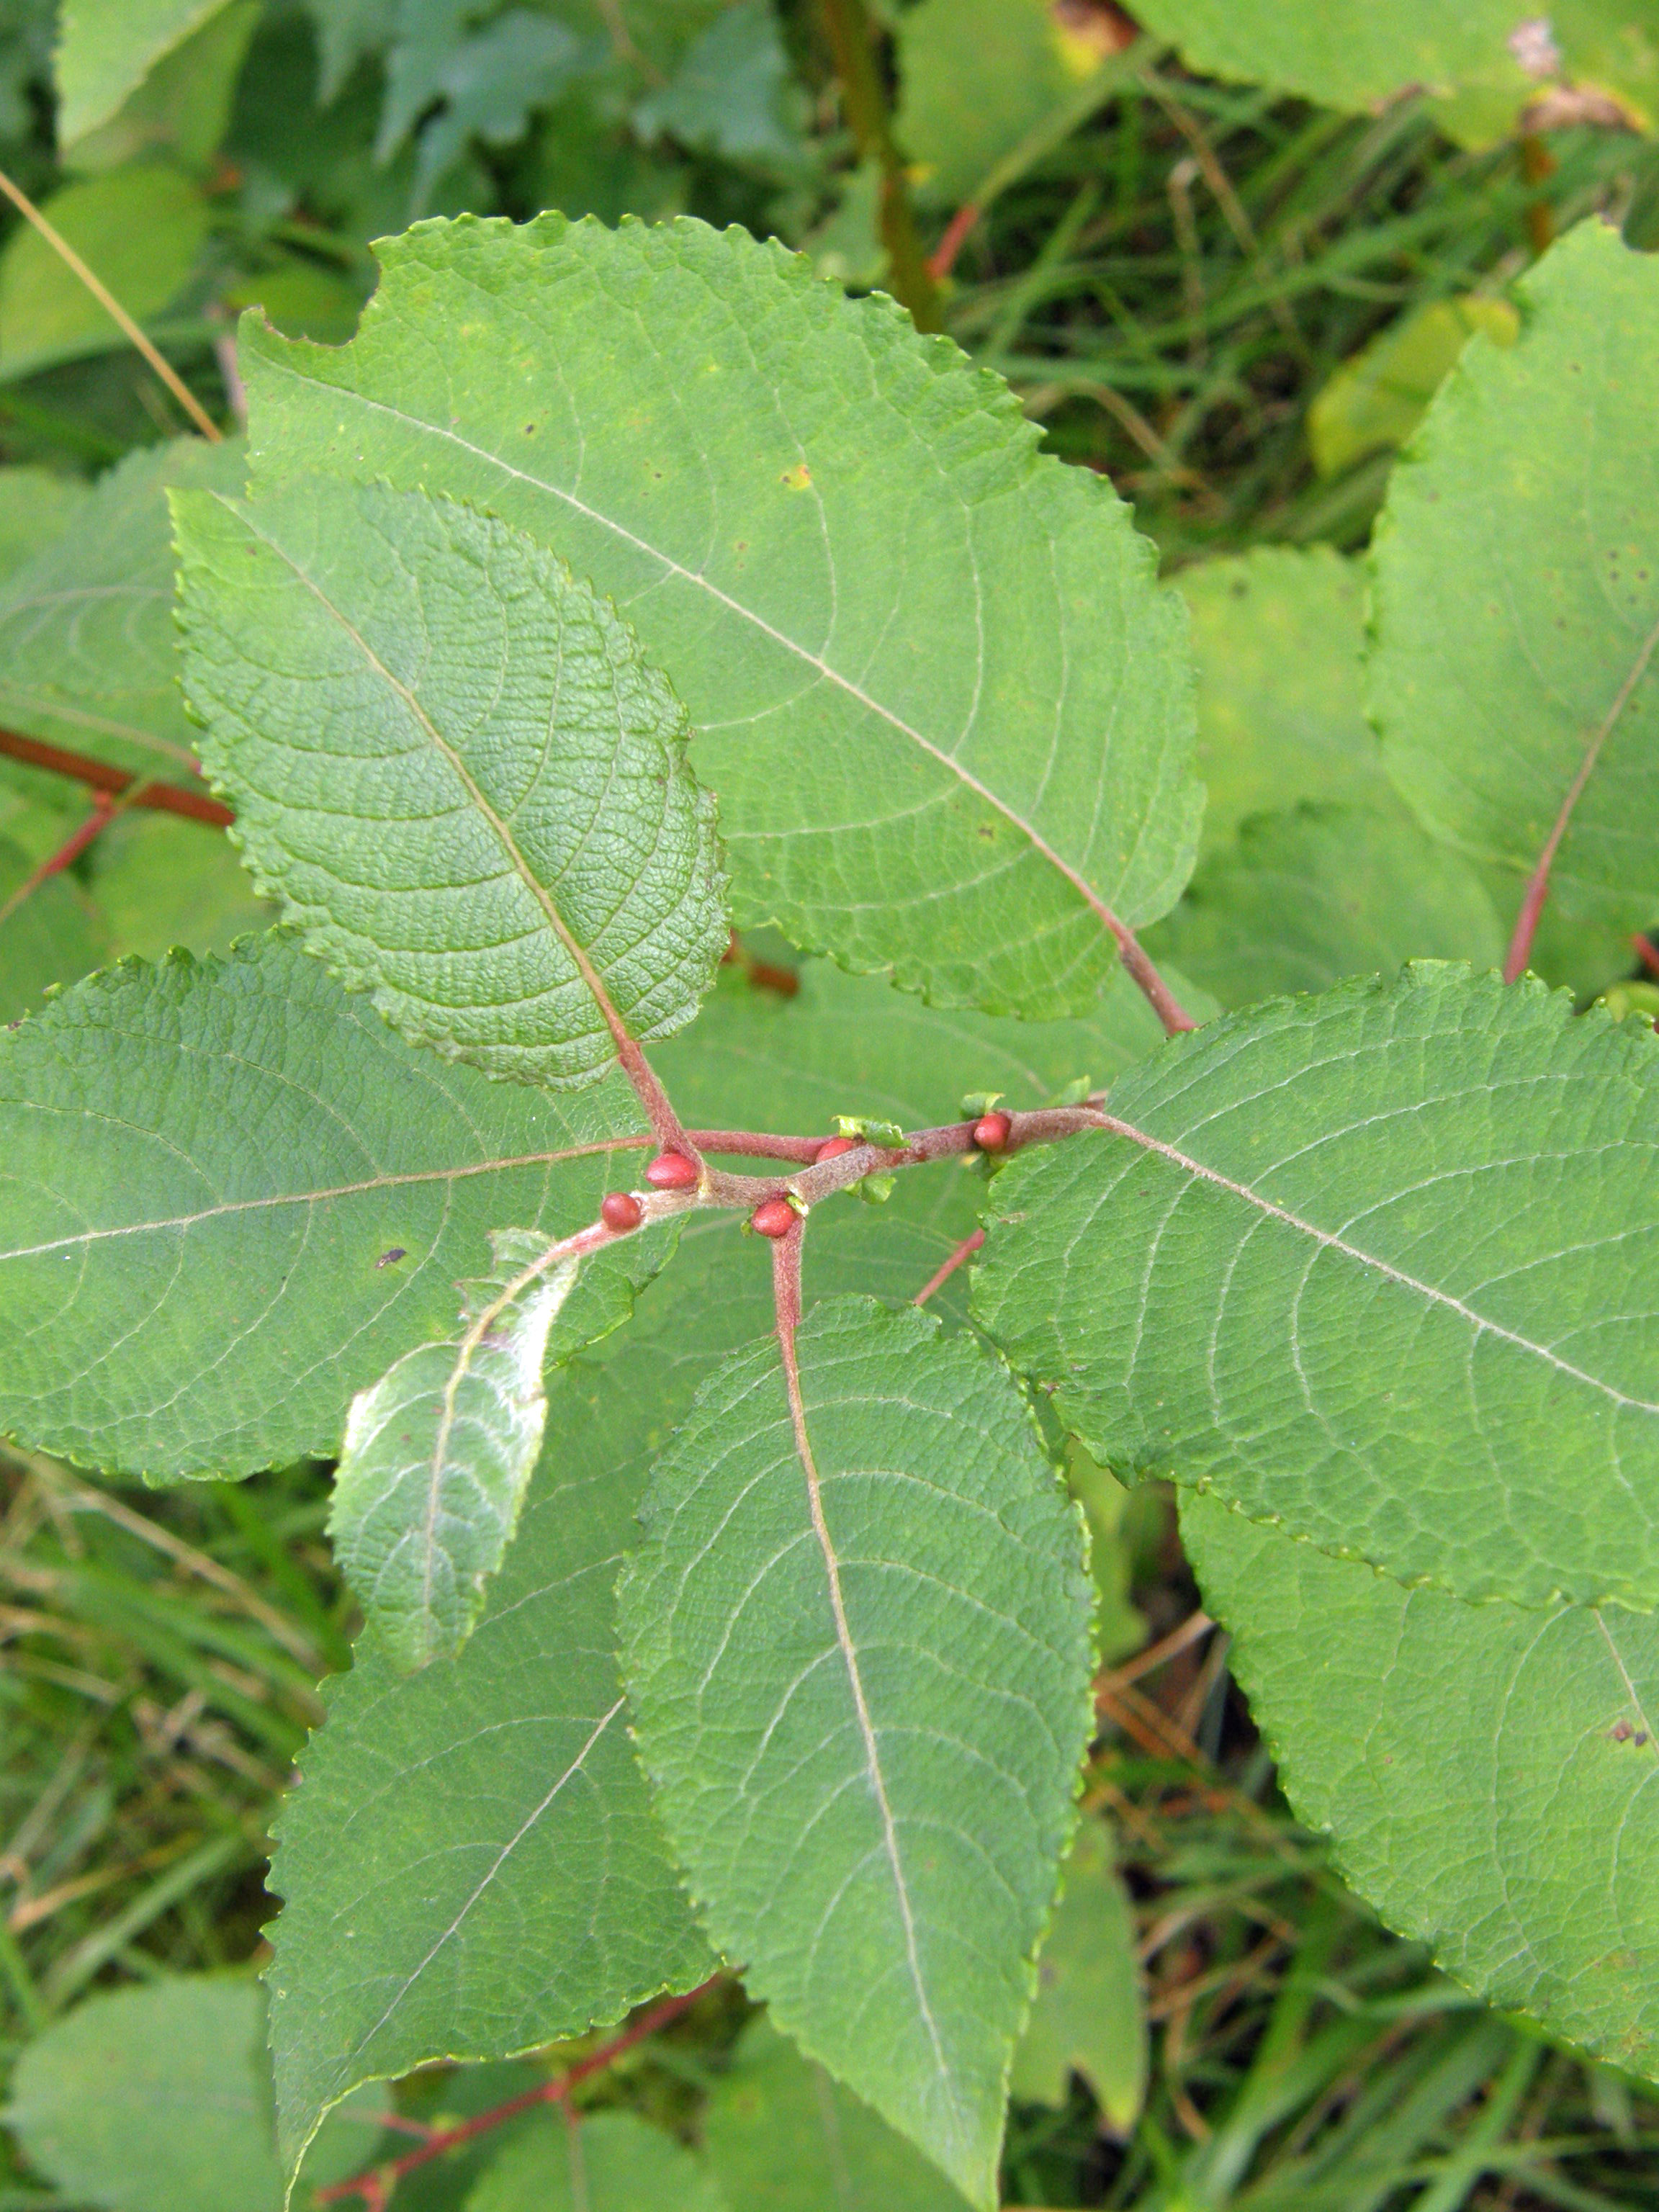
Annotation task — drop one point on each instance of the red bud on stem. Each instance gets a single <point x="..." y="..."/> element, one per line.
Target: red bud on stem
<point x="672" y="1171"/>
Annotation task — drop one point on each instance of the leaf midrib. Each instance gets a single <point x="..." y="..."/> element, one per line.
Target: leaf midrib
<point x="1080" y="883"/>
<point x="848" y="1648"/>
<point x="503" y="1165"/>
<point x="1329" y="1240"/>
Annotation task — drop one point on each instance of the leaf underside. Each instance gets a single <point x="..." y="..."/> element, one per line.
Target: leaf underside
<point x="437" y="1457"/>
<point x="1377" y="1266"/>
<point x="1517" y="591"/>
<point x="801" y="504"/>
<point x="230" y="1197"/>
<point x="1488" y="1772"/>
<point x="449" y="759"/>
<point x="860" y="1680"/>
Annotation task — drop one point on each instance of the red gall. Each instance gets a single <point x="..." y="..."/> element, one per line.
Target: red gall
<point x="672" y="1171"/>
<point x="991" y="1132"/>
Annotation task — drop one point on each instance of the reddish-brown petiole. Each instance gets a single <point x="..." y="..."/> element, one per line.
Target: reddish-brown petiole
<point x="375" y="2190"/>
<point x="965" y="1250"/>
<point x="103" y="812"/>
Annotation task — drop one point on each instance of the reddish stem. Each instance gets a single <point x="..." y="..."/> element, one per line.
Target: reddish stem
<point x="99" y="775"/>
<point x="67" y="853"/>
<point x="1162" y="1000"/>
<point x="375" y="2189"/>
<point x="1538" y="884"/>
<point x="758" y="1144"/>
<point x="965" y="1250"/>
<point x="943" y="258"/>
<point x="1646" y="952"/>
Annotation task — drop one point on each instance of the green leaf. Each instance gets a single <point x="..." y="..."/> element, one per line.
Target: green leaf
<point x="471" y="1865"/>
<point x="36" y="506"/>
<point x="450" y="758"/>
<point x="1377" y="1266"/>
<point x="488" y="83"/>
<point x="157" y="2099"/>
<point x="347" y="30"/>
<point x="1277" y="633"/>
<point x="1375" y="400"/>
<point x="605" y="2161"/>
<point x="1487" y="1772"/>
<point x="438" y="1454"/>
<point x="140" y="229"/>
<point x="1476" y="60"/>
<point x="781" y="2136"/>
<point x="106" y="49"/>
<point x="88" y="639"/>
<point x="38" y="813"/>
<point x="856" y="1643"/>
<point x="50" y="934"/>
<point x="160" y="881"/>
<point x="929" y="669"/>
<point x="1120" y="1625"/>
<point x="977" y="76"/>
<point x="1090" y="2017"/>
<point x="300" y="297"/>
<point x="732" y="92"/>
<point x="232" y="1197"/>
<point x="1302" y="900"/>
<point x="182" y="107"/>
<point x="1517" y="592"/>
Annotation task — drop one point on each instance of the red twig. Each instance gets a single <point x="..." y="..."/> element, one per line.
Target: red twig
<point x="1538" y="884"/>
<point x="99" y="775"/>
<point x="756" y="1144"/>
<point x="943" y="256"/>
<point x="1646" y="952"/>
<point x="375" y="2189"/>
<point x="67" y="853"/>
<point x="965" y="1250"/>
